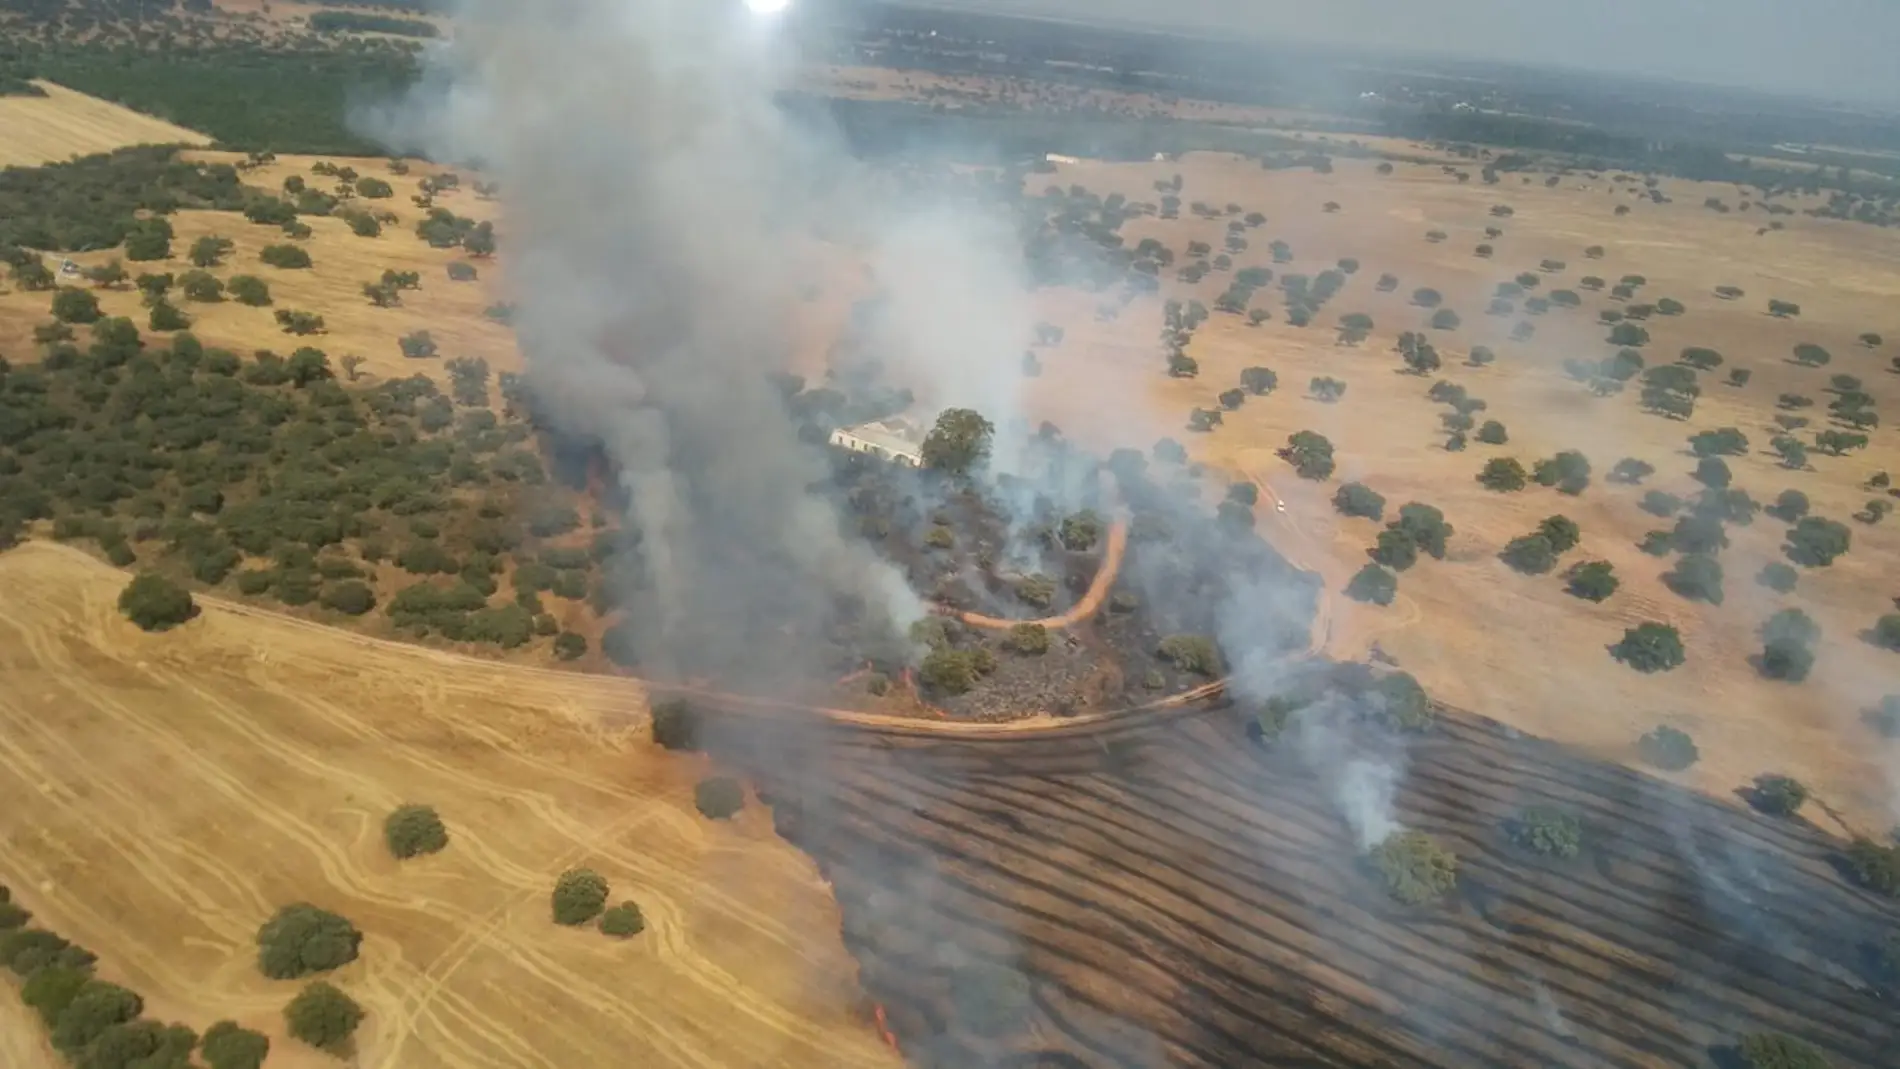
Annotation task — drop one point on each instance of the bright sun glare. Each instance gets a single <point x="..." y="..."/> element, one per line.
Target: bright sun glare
<point x="767" y="7"/>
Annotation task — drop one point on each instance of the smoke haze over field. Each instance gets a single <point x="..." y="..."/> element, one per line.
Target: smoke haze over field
<point x="656" y="197"/>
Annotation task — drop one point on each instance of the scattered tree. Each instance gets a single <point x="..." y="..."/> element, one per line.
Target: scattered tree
<point x="718" y="797"/>
<point x="1650" y="647"/>
<point x="413" y="830"/>
<point x="323" y="1016"/>
<point x="1374" y="585"/>
<point x="155" y="603"/>
<point x="1593" y="580"/>
<point x="1668" y="749"/>
<point x="301" y="939"/>
<point x="579" y="895"/>
<point x="1415" y="869"/>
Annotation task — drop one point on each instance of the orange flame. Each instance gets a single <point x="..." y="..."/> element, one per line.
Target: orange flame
<point x="884" y="1028"/>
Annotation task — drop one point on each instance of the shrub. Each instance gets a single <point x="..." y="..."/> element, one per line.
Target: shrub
<point x="413" y="830"/>
<point x="718" y="797"/>
<point x="322" y="1016"/>
<point x="1874" y="866"/>
<point x="1493" y="433"/>
<point x="228" y="1046"/>
<point x="289" y="257"/>
<point x="623" y="921"/>
<point x="71" y="305"/>
<point x="1593" y="580"/>
<point x="1373" y="585"/>
<point x="1779" y="796"/>
<point x="1191" y="653"/>
<point x="1547" y="831"/>
<point x="1028" y="639"/>
<point x="1415" y="869"/>
<point x="1562" y="532"/>
<point x="676" y="725"/>
<point x="155" y="603"/>
<point x="1668" y="749"/>
<point x="1395" y="549"/>
<point x="302" y="939"/>
<point x="1772" y="1050"/>
<point x="353" y="598"/>
<point x="249" y="289"/>
<point x="1530" y="554"/>
<point x="1358" y="499"/>
<point x="578" y="896"/>
<point x="1650" y="647"/>
<point x="1503" y="475"/>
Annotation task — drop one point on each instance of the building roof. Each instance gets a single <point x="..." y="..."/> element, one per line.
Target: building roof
<point x="891" y="435"/>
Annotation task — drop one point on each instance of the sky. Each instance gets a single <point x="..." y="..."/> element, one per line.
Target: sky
<point x="1836" y="49"/>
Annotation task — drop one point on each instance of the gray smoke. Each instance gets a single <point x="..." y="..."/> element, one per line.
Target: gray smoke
<point x="658" y="203"/>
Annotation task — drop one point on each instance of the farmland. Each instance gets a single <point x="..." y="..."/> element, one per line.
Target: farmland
<point x="170" y="791"/>
<point x="63" y="124"/>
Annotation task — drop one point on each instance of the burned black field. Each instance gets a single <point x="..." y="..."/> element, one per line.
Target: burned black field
<point x="1166" y="893"/>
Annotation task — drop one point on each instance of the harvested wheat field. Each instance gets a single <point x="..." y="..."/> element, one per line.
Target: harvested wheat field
<point x="1179" y="897"/>
<point x="1474" y="631"/>
<point x="332" y="287"/>
<point x="168" y="792"/>
<point x="63" y="124"/>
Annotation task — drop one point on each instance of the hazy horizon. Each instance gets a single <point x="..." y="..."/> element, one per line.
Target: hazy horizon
<point x="1831" y="49"/>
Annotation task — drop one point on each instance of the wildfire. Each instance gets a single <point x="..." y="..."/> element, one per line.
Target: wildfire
<point x="884" y="1028"/>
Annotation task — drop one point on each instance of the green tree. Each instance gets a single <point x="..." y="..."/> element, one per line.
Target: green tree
<point x="210" y="250"/>
<point x="1502" y="474"/>
<point x="166" y="317"/>
<point x="1529" y="554"/>
<point x="1650" y="647"/>
<point x="1777" y="576"/>
<point x="1395" y="549"/>
<point x="322" y="1016"/>
<point x="1562" y="532"/>
<point x="1546" y="830"/>
<point x="1374" y="585"/>
<point x="1310" y="453"/>
<point x="718" y="797"/>
<point x="676" y="724"/>
<point x="73" y="305"/>
<point x="1427" y="526"/>
<point x="301" y="939"/>
<point x="1668" y="749"/>
<point x="959" y="443"/>
<point x="413" y="830"/>
<point x="250" y="290"/>
<point x="107" y="275"/>
<point x="579" y="895"/>
<point x="201" y="286"/>
<point x="623" y="921"/>
<point x="1415" y="868"/>
<point x="1815" y="542"/>
<point x="1493" y="433"/>
<point x="52" y="988"/>
<point x="227" y="1045"/>
<point x="1696" y="576"/>
<point x="97" y="1007"/>
<point x="1568" y="471"/>
<point x="1196" y="654"/>
<point x="289" y="257"/>
<point x="1358" y="499"/>
<point x="1593" y="580"/>
<point x="155" y="603"/>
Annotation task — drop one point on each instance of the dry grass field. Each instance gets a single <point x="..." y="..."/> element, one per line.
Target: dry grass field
<point x="341" y="263"/>
<point x="63" y="124"/>
<point x="1476" y="633"/>
<point x="166" y="793"/>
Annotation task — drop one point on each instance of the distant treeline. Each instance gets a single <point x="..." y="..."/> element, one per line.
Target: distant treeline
<point x="243" y="96"/>
<point x="356" y="22"/>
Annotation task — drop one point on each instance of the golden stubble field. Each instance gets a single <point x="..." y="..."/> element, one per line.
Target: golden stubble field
<point x="341" y="262"/>
<point x="166" y="793"/>
<point x="1476" y="633"/>
<point x="63" y="124"/>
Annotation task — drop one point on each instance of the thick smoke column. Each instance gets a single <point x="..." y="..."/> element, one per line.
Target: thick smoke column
<point x="654" y="196"/>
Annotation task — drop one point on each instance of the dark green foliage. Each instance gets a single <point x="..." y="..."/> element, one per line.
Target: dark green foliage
<point x="1712" y="472"/>
<point x="1546" y="830"/>
<point x="1789" y="506"/>
<point x="676" y="725"/>
<point x="623" y="921"/>
<point x="226" y="1045"/>
<point x="352" y="598"/>
<point x="1650" y="647"/>
<point x="1779" y="796"/>
<point x="1395" y="549"/>
<point x="579" y="895"/>
<point x="1659" y="503"/>
<point x="1503" y="475"/>
<point x="1374" y="585"/>
<point x="1358" y="499"/>
<point x="1777" y="576"/>
<point x="96" y="1007"/>
<point x="1415" y="868"/>
<point x="1568" y="471"/>
<point x="1531" y="554"/>
<point x="1427" y="527"/>
<point x="1875" y="867"/>
<point x="569" y="646"/>
<point x="301" y="939"/>
<point x="140" y="1044"/>
<point x="322" y="1016"/>
<point x="360" y="22"/>
<point x="1668" y="749"/>
<point x="1027" y="639"/>
<point x="1310" y="453"/>
<point x="1697" y="577"/>
<point x="284" y="256"/>
<point x="72" y="305"/>
<point x="413" y="830"/>
<point x="1196" y="654"/>
<point x="1492" y="433"/>
<point x="155" y="603"/>
<point x="1772" y="1050"/>
<point x="1594" y="580"/>
<point x="92" y="202"/>
<point x="249" y="289"/>
<point x="49" y="990"/>
<point x="1815" y="542"/>
<point x="718" y="797"/>
<point x="1562" y="532"/>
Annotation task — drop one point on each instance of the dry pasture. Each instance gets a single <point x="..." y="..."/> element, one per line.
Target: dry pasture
<point x="168" y="792"/>
<point x="1476" y="633"/>
<point x="64" y="123"/>
<point x="341" y="262"/>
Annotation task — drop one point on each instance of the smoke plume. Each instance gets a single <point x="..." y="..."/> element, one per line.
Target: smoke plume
<point x="657" y="198"/>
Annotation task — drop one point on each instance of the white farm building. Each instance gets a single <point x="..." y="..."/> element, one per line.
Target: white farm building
<point x="895" y="440"/>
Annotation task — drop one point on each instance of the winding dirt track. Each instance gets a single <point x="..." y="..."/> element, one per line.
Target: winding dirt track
<point x="1091" y="599"/>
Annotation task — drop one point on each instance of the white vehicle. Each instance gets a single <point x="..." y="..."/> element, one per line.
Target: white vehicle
<point x="1280" y="505"/>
